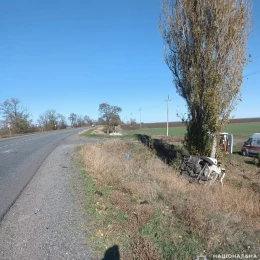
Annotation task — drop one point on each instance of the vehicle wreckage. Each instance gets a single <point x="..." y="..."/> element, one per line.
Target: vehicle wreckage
<point x="202" y="169"/>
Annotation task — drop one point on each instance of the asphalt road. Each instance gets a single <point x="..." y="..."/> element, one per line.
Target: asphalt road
<point x="48" y="220"/>
<point x="20" y="158"/>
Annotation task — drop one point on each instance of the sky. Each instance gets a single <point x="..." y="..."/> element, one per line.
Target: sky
<point x="72" y="55"/>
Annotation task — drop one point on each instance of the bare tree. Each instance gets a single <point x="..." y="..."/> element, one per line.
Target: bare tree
<point x="101" y="121"/>
<point x="80" y="121"/>
<point x="88" y="120"/>
<point x="132" y="121"/>
<point x="61" y="120"/>
<point x="205" y="49"/>
<point x="109" y="114"/>
<point x="15" y="116"/>
<point x="73" y="119"/>
<point x="49" y="120"/>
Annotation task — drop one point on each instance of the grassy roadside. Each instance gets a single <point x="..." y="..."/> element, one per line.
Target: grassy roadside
<point x="148" y="211"/>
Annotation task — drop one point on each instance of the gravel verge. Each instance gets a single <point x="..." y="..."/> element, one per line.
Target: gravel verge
<point x="48" y="220"/>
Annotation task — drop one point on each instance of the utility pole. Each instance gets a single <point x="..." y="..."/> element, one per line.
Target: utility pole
<point x="140" y="110"/>
<point x="168" y="114"/>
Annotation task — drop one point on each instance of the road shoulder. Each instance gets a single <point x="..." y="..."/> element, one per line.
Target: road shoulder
<point x="48" y="220"/>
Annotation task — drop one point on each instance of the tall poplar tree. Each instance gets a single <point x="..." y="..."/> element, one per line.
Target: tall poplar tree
<point x="205" y="49"/>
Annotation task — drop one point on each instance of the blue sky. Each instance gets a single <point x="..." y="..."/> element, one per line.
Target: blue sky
<point x="72" y="55"/>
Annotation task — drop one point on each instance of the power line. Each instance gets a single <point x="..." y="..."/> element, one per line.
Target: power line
<point x="254" y="72"/>
<point x="257" y="56"/>
<point x="251" y="74"/>
<point x="156" y="105"/>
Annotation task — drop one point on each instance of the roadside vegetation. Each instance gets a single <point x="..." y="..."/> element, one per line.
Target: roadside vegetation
<point x="138" y="203"/>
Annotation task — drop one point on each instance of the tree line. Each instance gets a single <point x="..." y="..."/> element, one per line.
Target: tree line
<point x="17" y="119"/>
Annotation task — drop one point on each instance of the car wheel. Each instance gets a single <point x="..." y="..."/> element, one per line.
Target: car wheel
<point x="244" y="153"/>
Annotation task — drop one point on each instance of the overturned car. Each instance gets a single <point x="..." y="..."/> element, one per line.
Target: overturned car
<point x="201" y="169"/>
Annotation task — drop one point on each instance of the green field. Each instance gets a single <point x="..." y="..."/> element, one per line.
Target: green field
<point x="237" y="129"/>
<point x="174" y="131"/>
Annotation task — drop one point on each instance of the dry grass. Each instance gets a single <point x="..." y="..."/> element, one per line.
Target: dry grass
<point x="143" y="249"/>
<point x="99" y="130"/>
<point x="225" y="217"/>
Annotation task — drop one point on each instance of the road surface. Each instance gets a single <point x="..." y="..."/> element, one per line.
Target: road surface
<point x="48" y="220"/>
<point x="20" y="158"/>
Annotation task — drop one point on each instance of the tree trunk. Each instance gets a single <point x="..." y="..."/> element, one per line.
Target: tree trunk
<point x="214" y="146"/>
